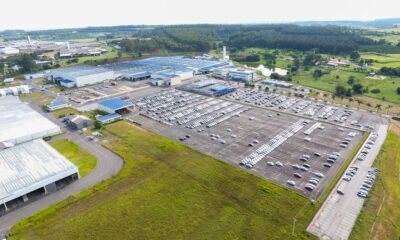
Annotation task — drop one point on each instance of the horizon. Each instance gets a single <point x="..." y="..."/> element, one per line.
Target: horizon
<point x="182" y="24"/>
<point x="93" y="14"/>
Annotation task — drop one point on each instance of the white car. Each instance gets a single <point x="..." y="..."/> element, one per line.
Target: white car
<point x="279" y="164"/>
<point x="271" y="163"/>
<point x="291" y="183"/>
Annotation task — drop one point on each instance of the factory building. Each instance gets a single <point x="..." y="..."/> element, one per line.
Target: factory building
<point x="277" y="83"/>
<point x="8" y="80"/>
<point x="29" y="167"/>
<point x="114" y="105"/>
<point x="80" y="76"/>
<point x="79" y="122"/>
<point x="14" y="91"/>
<point x="223" y="72"/>
<point x="170" y="78"/>
<point x="209" y="87"/>
<point x="56" y="105"/>
<point x="143" y="69"/>
<point x="34" y="76"/>
<point x="242" y="75"/>
<point x="109" y="118"/>
<point x="20" y="123"/>
<point x="219" y="90"/>
<point x="29" y="170"/>
<point x="9" y="50"/>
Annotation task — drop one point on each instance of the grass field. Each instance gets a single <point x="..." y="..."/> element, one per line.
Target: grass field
<point x="66" y="112"/>
<point x="388" y="60"/>
<point x="169" y="191"/>
<point x="380" y="217"/>
<point x="38" y="98"/>
<point x="391" y="38"/>
<point x="328" y="82"/>
<point x="85" y="161"/>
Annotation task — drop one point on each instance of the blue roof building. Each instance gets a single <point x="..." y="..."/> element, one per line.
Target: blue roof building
<point x="57" y="104"/>
<point x="219" y="90"/>
<point x="109" y="118"/>
<point x="114" y="105"/>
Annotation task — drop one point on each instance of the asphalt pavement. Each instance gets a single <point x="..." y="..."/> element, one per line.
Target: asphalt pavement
<point x="338" y="214"/>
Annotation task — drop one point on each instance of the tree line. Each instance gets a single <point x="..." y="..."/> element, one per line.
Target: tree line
<point x="203" y="38"/>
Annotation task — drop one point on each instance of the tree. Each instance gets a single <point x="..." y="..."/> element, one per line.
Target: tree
<point x="378" y="107"/>
<point x="354" y="55"/>
<point x="398" y="91"/>
<point x="348" y="92"/>
<point x="376" y="91"/>
<point x="340" y="90"/>
<point x="387" y="108"/>
<point x="266" y="89"/>
<point x="275" y="76"/>
<point x="27" y="63"/>
<point x="317" y="73"/>
<point x="296" y="63"/>
<point x="359" y="102"/>
<point x="2" y="68"/>
<point x="358" y="88"/>
<point x="351" y="80"/>
<point x="98" y="125"/>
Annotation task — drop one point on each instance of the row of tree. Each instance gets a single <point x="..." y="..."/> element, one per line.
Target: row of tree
<point x="202" y="38"/>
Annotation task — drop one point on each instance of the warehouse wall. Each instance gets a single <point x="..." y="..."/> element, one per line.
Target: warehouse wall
<point x="94" y="78"/>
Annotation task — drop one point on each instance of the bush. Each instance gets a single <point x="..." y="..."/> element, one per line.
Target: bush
<point x="98" y="125"/>
<point x="376" y="91"/>
<point x="340" y="91"/>
<point x="358" y="88"/>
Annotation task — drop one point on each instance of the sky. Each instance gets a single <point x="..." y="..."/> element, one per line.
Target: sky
<point x="50" y="14"/>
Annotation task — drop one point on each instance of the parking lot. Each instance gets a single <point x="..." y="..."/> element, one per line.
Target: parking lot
<point x="336" y="218"/>
<point x="286" y="149"/>
<point x="306" y="108"/>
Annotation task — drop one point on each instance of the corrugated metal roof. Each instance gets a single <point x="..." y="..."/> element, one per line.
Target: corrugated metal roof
<point x="56" y="103"/>
<point x="81" y="70"/>
<point x="115" y="104"/>
<point x="20" y="123"/>
<point x="29" y="166"/>
<point x="109" y="117"/>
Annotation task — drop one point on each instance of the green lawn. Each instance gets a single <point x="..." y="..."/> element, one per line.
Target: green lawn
<point x="380" y="217"/>
<point x="65" y="112"/>
<point x="388" y="60"/>
<point x="391" y="38"/>
<point x="169" y="191"/>
<point x="85" y="161"/>
<point x="38" y="98"/>
<point x="328" y="82"/>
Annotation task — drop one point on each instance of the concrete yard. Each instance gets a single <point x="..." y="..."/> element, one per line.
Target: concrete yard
<point x="230" y="139"/>
<point x="337" y="216"/>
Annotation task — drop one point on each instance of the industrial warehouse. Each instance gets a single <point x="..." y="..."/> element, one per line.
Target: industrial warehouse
<point x="29" y="167"/>
<point x="166" y="71"/>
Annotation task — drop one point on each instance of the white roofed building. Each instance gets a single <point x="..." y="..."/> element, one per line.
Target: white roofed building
<point x="19" y="123"/>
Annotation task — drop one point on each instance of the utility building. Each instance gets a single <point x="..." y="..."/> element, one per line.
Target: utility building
<point x="31" y="169"/>
<point x="78" y="122"/>
<point x="81" y="76"/>
<point x="20" y="123"/>
<point x="242" y="75"/>
<point x="114" y="105"/>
